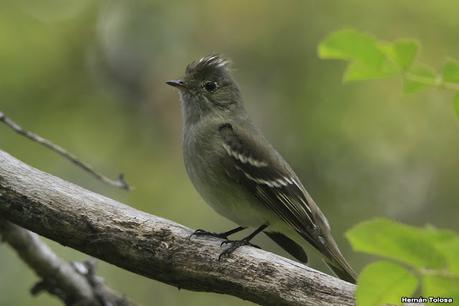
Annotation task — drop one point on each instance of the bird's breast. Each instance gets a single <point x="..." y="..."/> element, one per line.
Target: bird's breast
<point x="203" y="163"/>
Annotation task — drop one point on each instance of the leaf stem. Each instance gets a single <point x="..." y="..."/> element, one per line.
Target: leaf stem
<point x="439" y="82"/>
<point x="434" y="272"/>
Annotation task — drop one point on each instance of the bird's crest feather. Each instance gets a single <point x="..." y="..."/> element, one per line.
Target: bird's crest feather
<point x="213" y="61"/>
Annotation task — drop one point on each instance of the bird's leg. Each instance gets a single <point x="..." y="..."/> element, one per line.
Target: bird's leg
<point x="235" y="244"/>
<point x="224" y="235"/>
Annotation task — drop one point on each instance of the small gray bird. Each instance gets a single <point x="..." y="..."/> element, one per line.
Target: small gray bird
<point x="239" y="173"/>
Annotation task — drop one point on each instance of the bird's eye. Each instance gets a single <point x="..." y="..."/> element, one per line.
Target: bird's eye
<point x="210" y="86"/>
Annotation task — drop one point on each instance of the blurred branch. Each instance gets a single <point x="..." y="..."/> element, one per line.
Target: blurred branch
<point x="155" y="247"/>
<point x="75" y="284"/>
<point x="119" y="182"/>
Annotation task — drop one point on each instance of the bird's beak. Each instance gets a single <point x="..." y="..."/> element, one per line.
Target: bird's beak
<point x="176" y="83"/>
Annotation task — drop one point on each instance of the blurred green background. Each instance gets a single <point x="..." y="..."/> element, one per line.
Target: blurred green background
<point x="89" y="75"/>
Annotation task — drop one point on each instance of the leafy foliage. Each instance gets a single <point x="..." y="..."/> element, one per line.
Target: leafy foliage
<point x="441" y="285"/>
<point x="392" y="282"/>
<point x="456" y="104"/>
<point x="427" y="256"/>
<point x="370" y="58"/>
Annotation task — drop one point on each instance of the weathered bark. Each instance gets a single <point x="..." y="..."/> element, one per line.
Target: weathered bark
<point x="155" y="247"/>
<point x="74" y="286"/>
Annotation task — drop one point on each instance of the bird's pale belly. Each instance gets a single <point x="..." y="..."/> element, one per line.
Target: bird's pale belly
<point x="230" y="199"/>
<point x="240" y="208"/>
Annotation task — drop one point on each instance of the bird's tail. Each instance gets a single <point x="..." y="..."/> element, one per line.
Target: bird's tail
<point x="337" y="263"/>
<point x="345" y="272"/>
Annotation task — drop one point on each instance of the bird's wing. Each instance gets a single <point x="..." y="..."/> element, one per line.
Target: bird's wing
<point x="257" y="167"/>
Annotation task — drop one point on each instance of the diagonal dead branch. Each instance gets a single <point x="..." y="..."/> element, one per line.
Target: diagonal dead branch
<point x="155" y="247"/>
<point x="75" y="284"/>
<point x="119" y="182"/>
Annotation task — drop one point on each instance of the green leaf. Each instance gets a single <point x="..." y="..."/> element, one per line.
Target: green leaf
<point x="450" y="250"/>
<point x="440" y="286"/>
<point x="447" y="243"/>
<point x="384" y="283"/>
<point x="408" y="244"/>
<point x="456" y="104"/>
<point x="357" y="71"/>
<point x="451" y="71"/>
<point x="402" y="52"/>
<point x="350" y="44"/>
<point x="405" y="52"/>
<point x="419" y="77"/>
<point x="367" y="60"/>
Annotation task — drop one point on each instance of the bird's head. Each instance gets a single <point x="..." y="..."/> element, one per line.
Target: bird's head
<point x="207" y="88"/>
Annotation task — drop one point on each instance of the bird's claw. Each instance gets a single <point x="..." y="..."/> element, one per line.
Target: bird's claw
<point x="234" y="245"/>
<point x="201" y="232"/>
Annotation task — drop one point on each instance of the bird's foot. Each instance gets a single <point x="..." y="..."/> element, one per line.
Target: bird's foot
<point x="234" y="245"/>
<point x="224" y="235"/>
<point x="204" y="233"/>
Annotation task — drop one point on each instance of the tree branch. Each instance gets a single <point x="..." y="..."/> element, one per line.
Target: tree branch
<point x="155" y="247"/>
<point x="119" y="182"/>
<point x="75" y="284"/>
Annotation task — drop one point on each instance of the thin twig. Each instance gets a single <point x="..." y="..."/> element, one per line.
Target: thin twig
<point x="119" y="182"/>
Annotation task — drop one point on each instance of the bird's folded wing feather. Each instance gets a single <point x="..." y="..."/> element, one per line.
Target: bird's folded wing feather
<point x="259" y="169"/>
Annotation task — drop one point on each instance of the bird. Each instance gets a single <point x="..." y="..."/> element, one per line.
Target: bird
<point x="239" y="173"/>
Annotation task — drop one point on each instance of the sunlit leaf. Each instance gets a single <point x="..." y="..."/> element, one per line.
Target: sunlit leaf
<point x="450" y="250"/>
<point x="456" y="104"/>
<point x="451" y="71"/>
<point x="357" y="71"/>
<point x="440" y="286"/>
<point x="350" y="44"/>
<point x="384" y="283"/>
<point x="402" y="52"/>
<point x="367" y="60"/>
<point x="411" y="245"/>
<point x="419" y="77"/>
<point x="405" y="52"/>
